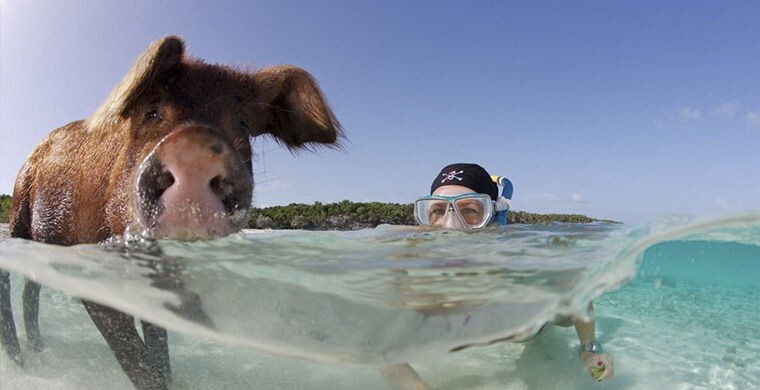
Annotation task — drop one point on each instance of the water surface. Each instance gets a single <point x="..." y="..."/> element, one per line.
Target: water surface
<point x="676" y="306"/>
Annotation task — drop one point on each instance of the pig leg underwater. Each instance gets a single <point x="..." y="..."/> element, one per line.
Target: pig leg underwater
<point x="8" y="326"/>
<point x="146" y="363"/>
<point x="31" y="299"/>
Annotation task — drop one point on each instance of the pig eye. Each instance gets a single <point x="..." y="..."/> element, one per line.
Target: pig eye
<point x="151" y="115"/>
<point x="243" y="126"/>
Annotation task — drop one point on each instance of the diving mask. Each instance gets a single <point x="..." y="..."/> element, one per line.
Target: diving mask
<point x="471" y="210"/>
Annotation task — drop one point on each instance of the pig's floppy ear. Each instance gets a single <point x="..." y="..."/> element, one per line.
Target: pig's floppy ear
<point x="161" y="56"/>
<point x="296" y="112"/>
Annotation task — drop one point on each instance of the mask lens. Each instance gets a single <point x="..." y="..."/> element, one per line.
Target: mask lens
<point x="475" y="210"/>
<point x="430" y="211"/>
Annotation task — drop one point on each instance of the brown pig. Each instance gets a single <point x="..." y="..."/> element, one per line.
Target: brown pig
<point x="168" y="153"/>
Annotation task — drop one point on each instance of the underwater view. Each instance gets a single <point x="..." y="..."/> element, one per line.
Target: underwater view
<point x="676" y="306"/>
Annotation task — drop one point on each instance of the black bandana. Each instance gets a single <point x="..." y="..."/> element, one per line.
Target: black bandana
<point x="472" y="176"/>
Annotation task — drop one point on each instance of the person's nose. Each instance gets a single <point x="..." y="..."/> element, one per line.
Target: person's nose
<point x="451" y="220"/>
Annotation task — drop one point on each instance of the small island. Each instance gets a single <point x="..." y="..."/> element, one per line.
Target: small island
<point x="348" y="215"/>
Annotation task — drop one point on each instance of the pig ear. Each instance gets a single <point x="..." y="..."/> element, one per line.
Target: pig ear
<point x="161" y="56"/>
<point x="296" y="111"/>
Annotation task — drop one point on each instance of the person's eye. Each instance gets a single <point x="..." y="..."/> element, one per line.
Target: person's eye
<point x="437" y="211"/>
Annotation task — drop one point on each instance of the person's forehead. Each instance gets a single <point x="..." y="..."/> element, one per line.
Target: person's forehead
<point x="452" y="190"/>
<point x="469" y="201"/>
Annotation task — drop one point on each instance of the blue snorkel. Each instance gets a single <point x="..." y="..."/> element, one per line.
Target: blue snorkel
<point x="504" y="202"/>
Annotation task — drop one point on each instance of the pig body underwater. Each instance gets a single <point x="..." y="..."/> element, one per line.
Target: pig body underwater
<point x="168" y="152"/>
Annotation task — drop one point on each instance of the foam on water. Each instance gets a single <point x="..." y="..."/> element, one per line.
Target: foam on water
<point x="320" y="309"/>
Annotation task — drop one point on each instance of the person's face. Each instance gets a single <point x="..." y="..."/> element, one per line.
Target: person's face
<point x="470" y="210"/>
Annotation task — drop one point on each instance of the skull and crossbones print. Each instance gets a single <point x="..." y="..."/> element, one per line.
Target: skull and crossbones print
<point x="451" y="175"/>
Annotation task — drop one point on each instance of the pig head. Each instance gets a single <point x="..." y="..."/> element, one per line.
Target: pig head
<point x="167" y="153"/>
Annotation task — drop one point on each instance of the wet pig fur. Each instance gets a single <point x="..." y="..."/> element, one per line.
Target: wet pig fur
<point x="168" y="152"/>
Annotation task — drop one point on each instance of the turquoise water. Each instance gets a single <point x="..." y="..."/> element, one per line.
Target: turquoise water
<point x="676" y="306"/>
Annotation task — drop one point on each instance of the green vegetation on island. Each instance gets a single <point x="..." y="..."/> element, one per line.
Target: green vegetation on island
<point x="345" y="215"/>
<point x="348" y="215"/>
<point x="5" y="207"/>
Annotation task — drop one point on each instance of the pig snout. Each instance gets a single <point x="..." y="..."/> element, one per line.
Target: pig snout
<point x="193" y="185"/>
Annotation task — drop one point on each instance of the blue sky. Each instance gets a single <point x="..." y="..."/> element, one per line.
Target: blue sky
<point x="622" y="110"/>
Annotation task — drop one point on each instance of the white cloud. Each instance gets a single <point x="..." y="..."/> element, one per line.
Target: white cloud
<point x="753" y="118"/>
<point x="576" y="197"/>
<point x="727" y="205"/>
<point x="730" y="112"/>
<point x="688" y="114"/>
<point x="679" y="117"/>
<point x="727" y="110"/>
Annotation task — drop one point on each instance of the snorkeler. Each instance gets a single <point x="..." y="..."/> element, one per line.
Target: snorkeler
<point x="465" y="197"/>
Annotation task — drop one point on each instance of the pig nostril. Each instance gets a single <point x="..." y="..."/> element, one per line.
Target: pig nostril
<point x="215" y="184"/>
<point x="163" y="182"/>
<point x="153" y="181"/>
<point x="221" y="187"/>
<point x="225" y="190"/>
